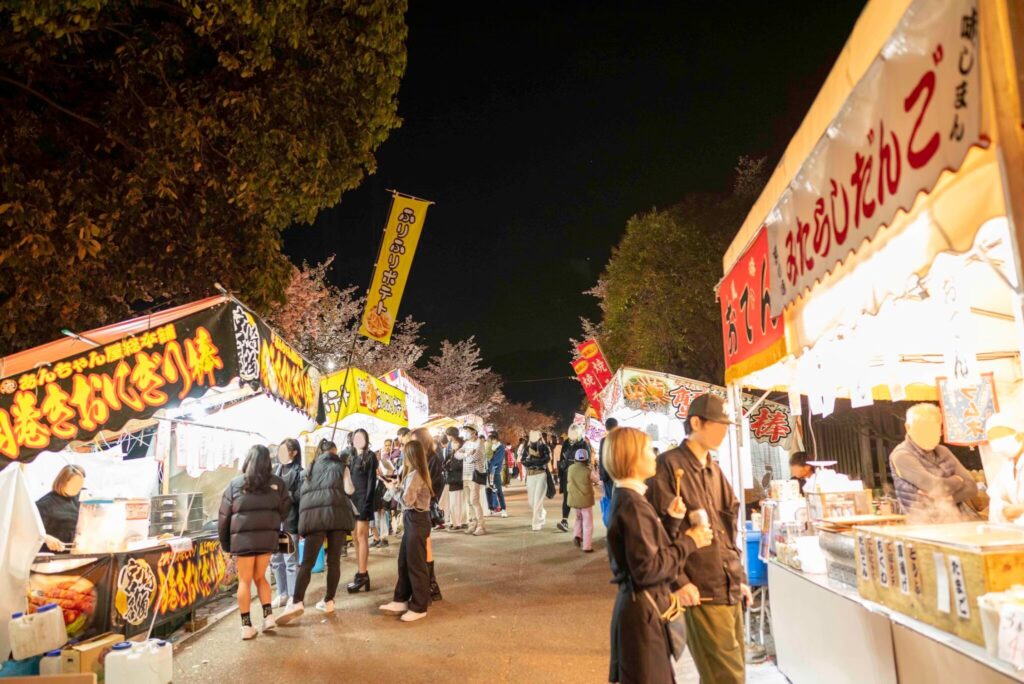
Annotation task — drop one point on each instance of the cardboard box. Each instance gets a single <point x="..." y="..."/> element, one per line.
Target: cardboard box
<point x="87" y="657"/>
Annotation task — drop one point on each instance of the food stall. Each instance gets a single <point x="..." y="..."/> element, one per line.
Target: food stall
<point x="156" y="411"/>
<point x="657" y="403"/>
<point x="354" y="399"/>
<point x="882" y="263"/>
<point x="416" y="399"/>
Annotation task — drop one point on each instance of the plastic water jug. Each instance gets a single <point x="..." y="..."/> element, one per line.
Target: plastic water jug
<point x="36" y="633"/>
<point x="147" y="662"/>
<point x="52" y="663"/>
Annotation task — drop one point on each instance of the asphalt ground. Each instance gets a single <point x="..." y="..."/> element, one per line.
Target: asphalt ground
<point x="519" y="606"/>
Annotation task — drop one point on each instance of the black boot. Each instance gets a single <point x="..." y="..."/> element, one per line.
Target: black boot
<point x="360" y="583"/>
<point x="435" y="590"/>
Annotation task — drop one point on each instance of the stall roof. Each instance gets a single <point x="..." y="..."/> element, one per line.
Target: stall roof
<point x="869" y="34"/>
<point x="890" y="263"/>
<point x="50" y="352"/>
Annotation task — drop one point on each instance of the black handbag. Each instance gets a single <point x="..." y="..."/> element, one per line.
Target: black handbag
<point x="436" y="514"/>
<point x="479" y="478"/>
<point x="285" y="544"/>
<point x="551" y="484"/>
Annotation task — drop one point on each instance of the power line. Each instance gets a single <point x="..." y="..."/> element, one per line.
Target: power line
<point x="560" y="377"/>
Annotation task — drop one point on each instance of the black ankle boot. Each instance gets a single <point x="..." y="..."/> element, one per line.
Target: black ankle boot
<point x="435" y="590"/>
<point x="360" y="583"/>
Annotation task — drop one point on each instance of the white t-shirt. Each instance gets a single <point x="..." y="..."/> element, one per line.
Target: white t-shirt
<point x="1008" y="489"/>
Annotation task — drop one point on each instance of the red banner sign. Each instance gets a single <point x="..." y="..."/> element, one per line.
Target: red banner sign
<point x="592" y="371"/>
<point x="748" y="327"/>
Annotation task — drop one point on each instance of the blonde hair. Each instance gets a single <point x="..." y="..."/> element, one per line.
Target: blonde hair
<point x="623" y="448"/>
<point x="66" y="474"/>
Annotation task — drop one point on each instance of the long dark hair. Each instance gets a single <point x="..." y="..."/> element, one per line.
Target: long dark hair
<point x="256" y="469"/>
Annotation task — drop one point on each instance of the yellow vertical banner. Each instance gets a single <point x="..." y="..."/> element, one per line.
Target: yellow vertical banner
<point x="401" y="235"/>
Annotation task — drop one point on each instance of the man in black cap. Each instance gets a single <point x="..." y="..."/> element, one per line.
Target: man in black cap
<point x="712" y="583"/>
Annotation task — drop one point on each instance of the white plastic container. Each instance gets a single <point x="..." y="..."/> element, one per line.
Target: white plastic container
<point x="36" y="633"/>
<point x="146" y="662"/>
<point x="52" y="662"/>
<point x="989" y="604"/>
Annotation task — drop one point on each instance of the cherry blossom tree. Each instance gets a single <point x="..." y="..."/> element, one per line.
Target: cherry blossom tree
<point x="458" y="383"/>
<point x="514" y="421"/>
<point x="322" y="322"/>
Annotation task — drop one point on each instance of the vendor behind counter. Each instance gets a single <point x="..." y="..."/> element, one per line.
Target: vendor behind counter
<point x="59" y="509"/>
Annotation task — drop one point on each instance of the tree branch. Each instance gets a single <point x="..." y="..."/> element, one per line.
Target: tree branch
<point x="74" y="115"/>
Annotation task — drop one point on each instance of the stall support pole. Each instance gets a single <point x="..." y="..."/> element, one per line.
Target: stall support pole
<point x="1002" y="35"/>
<point x="736" y="457"/>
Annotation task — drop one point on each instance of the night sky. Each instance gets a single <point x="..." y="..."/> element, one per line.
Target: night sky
<point x="540" y="128"/>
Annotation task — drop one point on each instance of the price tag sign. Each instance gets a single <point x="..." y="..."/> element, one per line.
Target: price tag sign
<point x="901" y="568"/>
<point x="941" y="582"/>
<point x="862" y="548"/>
<point x="914" y="570"/>
<point x="883" y="566"/>
<point x="963" y="605"/>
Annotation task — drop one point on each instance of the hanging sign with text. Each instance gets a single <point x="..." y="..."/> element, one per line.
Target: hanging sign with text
<point x="749" y="331"/>
<point x="914" y="114"/>
<point x="401" y="235"/>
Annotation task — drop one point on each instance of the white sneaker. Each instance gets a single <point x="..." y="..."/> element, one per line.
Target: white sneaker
<point x="479" y="532"/>
<point x="395" y="608"/>
<point x="280" y="601"/>
<point x="248" y="632"/>
<point x="325" y="606"/>
<point x="292" y="612"/>
<point x="471" y="529"/>
<point x="504" y="514"/>
<point x="269" y="623"/>
<point x="412" y="616"/>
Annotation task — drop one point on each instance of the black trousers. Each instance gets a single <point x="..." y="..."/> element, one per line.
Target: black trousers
<point x="413" y="573"/>
<point x="310" y="550"/>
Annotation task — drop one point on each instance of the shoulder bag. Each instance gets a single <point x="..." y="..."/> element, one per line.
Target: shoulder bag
<point x="551" y="484"/>
<point x="672" y="622"/>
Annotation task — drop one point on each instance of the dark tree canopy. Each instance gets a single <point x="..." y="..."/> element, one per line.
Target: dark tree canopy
<point x="151" y="148"/>
<point x="658" y="308"/>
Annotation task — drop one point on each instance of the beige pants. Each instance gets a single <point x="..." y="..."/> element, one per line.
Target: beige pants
<point x="455" y="507"/>
<point x="476" y="495"/>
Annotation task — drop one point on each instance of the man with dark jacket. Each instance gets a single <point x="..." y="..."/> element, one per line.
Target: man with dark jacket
<point x="606" y="479"/>
<point x="712" y="582"/>
<point x="495" y="470"/>
<point x="285" y="566"/>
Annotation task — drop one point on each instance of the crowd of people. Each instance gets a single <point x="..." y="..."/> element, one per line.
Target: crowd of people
<point x="670" y="519"/>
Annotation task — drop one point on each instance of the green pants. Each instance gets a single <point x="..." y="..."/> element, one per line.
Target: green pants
<point x="715" y="638"/>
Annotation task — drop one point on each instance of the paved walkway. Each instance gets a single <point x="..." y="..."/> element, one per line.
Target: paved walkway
<point x="519" y="606"/>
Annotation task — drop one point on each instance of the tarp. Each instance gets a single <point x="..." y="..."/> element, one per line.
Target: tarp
<point x="21" y="534"/>
<point x="69" y="392"/>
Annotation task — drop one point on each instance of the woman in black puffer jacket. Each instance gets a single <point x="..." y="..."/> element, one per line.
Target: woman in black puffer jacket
<point x="325" y="514"/>
<point x="249" y="526"/>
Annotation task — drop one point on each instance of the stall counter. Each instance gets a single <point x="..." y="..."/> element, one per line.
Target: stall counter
<point x="120" y="591"/>
<point x="824" y="631"/>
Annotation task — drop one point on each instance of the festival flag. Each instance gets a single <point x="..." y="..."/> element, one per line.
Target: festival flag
<point x="591" y="351"/>
<point x="401" y="235"/>
<point x="592" y="371"/>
